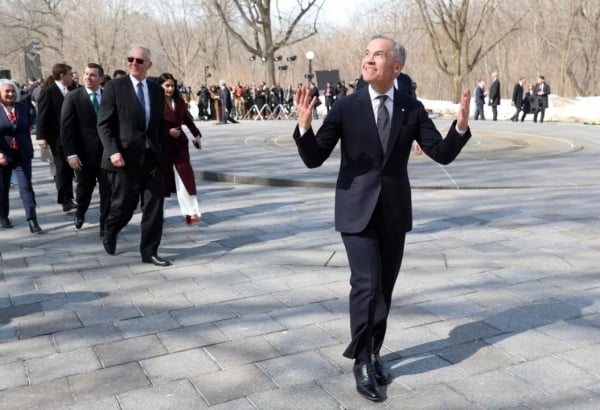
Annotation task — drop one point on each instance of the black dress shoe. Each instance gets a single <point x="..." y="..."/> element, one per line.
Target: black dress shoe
<point x="110" y="245"/>
<point x="157" y="260"/>
<point x="6" y="223"/>
<point x="33" y="226"/>
<point x="78" y="219"/>
<point x="382" y="376"/>
<point x="365" y="381"/>
<point x="69" y="206"/>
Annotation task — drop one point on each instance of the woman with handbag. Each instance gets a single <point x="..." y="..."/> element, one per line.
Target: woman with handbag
<point x="179" y="173"/>
<point x="16" y="153"/>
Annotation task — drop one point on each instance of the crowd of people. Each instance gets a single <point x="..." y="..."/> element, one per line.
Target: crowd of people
<point x="532" y="101"/>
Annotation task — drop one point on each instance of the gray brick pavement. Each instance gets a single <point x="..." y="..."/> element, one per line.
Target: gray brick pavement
<point x="497" y="305"/>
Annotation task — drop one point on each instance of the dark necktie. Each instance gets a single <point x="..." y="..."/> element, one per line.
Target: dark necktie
<point x="95" y="102"/>
<point x="141" y="102"/>
<point x="383" y="122"/>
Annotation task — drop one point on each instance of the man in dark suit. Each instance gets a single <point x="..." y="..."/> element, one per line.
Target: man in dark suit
<point x="226" y="103"/>
<point x="494" y="95"/>
<point x="48" y="132"/>
<point x="130" y="126"/>
<point x="376" y="125"/>
<point x="542" y="90"/>
<point x="517" y="98"/>
<point x="81" y="144"/>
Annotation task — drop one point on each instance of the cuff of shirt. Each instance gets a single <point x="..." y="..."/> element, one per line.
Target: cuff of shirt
<point x="461" y="133"/>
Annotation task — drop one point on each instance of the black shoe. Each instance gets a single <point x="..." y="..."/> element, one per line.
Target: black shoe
<point x="69" y="206"/>
<point x="78" y="219"/>
<point x="33" y="226"/>
<point x="157" y="260"/>
<point x="6" y="223"/>
<point x="110" y="245"/>
<point x="382" y="376"/>
<point x="365" y="382"/>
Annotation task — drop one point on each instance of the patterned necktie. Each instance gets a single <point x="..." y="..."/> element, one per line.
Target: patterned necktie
<point x="95" y="102"/>
<point x="141" y="102"/>
<point x="383" y="122"/>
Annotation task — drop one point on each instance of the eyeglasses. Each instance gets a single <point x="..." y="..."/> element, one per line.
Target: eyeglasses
<point x="137" y="60"/>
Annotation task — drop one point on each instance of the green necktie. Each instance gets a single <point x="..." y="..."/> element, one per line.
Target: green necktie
<point x="95" y="102"/>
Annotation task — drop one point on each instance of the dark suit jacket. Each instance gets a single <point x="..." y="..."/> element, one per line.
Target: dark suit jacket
<point x="21" y="133"/>
<point x="366" y="174"/>
<point x="479" y="95"/>
<point x="517" y="96"/>
<point x="225" y="97"/>
<point x="79" y="130"/>
<point x="494" y="93"/>
<point x="543" y="98"/>
<point x="122" y="129"/>
<point x="48" y="121"/>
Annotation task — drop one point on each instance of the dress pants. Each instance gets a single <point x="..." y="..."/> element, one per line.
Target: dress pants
<point x="85" y="188"/>
<point x="23" y="173"/>
<point x="375" y="256"/>
<point x="64" y="176"/>
<point x="147" y="184"/>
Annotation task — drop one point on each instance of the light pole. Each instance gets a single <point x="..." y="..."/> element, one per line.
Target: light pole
<point x="309" y="56"/>
<point x="207" y="75"/>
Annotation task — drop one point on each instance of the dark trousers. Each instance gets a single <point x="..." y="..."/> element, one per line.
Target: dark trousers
<point x="516" y="116"/>
<point x="64" y="176"/>
<point x="541" y="110"/>
<point x="85" y="188"/>
<point x="375" y="256"/>
<point x="479" y="112"/>
<point x="23" y="173"/>
<point x="494" y="112"/>
<point x="127" y="188"/>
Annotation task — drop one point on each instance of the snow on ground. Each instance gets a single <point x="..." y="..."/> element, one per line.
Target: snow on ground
<point x="580" y="109"/>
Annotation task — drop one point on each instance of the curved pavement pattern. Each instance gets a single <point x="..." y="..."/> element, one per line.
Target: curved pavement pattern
<point x="497" y="304"/>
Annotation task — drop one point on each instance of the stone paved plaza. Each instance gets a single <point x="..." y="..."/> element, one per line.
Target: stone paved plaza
<point x="497" y="304"/>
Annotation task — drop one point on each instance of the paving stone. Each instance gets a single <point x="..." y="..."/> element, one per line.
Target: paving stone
<point x="192" y="336"/>
<point x="86" y="336"/>
<point x="550" y="374"/>
<point x="179" y="395"/>
<point x="424" y="370"/>
<point x="203" y="314"/>
<point x="51" y="322"/>
<point x="302" y="396"/>
<point x="343" y="389"/>
<point x="495" y="389"/>
<point x="130" y="350"/>
<point x="256" y="305"/>
<point x="50" y="394"/>
<point x="106" y="403"/>
<point x="227" y="385"/>
<point x="529" y="345"/>
<point x="174" y="366"/>
<point x="478" y="357"/>
<point x="565" y="400"/>
<point x="239" y="404"/>
<point x="25" y="349"/>
<point x="303" y="315"/>
<point x="41" y="369"/>
<point x="105" y="382"/>
<point x="301" y="339"/>
<point x="297" y="368"/>
<point x="91" y="315"/>
<point x="163" y="304"/>
<point x="437" y="397"/>
<point x="241" y="352"/>
<point x="247" y="326"/>
<point x="13" y="375"/>
<point x="146" y="325"/>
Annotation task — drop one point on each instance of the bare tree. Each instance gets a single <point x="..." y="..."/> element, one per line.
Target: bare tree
<point x="461" y="39"/>
<point x="263" y="30"/>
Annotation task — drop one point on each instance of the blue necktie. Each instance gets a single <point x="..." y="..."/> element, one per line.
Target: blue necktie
<point x="95" y="102"/>
<point x="141" y="102"/>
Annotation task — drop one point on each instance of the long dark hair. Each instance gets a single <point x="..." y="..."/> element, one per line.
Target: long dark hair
<point x="168" y="76"/>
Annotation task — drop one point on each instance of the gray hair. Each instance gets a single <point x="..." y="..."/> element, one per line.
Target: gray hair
<point x="399" y="50"/>
<point x="6" y="81"/>
<point x="146" y="50"/>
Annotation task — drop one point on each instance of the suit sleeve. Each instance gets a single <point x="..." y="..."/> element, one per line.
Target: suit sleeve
<point x="315" y="149"/>
<point x="107" y="120"/>
<point x="43" y="108"/>
<point x="68" y="125"/>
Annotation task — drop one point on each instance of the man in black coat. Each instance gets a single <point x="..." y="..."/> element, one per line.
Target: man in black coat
<point x="48" y="131"/>
<point x="130" y="126"/>
<point x="542" y="90"/>
<point x="517" y="98"/>
<point x="81" y="143"/>
<point x="494" y="95"/>
<point x="375" y="126"/>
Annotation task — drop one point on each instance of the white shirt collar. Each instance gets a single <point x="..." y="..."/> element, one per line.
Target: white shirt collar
<point x="374" y="94"/>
